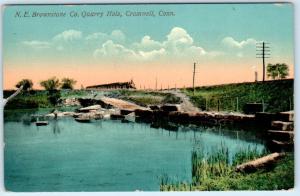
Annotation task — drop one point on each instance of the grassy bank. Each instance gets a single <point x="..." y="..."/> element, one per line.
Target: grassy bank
<point x="37" y="98"/>
<point x="40" y="99"/>
<point x="277" y="96"/>
<point x="146" y="98"/>
<point x="217" y="173"/>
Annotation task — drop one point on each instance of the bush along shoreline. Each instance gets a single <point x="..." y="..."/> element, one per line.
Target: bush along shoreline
<point x="217" y="172"/>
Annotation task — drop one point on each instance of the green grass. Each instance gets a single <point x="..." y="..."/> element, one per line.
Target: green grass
<point x="217" y="173"/>
<point x="146" y="98"/>
<point x="28" y="100"/>
<point x="277" y="95"/>
<point x="74" y="93"/>
<point x="38" y="98"/>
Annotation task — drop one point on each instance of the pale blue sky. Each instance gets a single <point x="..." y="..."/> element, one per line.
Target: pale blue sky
<point x="210" y="33"/>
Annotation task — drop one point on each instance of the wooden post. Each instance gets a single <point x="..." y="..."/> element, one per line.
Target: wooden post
<point x="218" y="105"/>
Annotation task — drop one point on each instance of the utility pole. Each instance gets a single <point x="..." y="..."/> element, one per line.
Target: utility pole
<point x="263" y="52"/>
<point x="194" y="78"/>
<point x="156" y="83"/>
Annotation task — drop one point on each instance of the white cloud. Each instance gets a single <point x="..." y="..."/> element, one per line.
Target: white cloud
<point x="215" y="53"/>
<point x="37" y="44"/>
<point x="151" y="55"/>
<point x="111" y="50"/>
<point x="97" y="35"/>
<point x="68" y="35"/>
<point x="147" y="44"/>
<point x="116" y="36"/>
<point x="231" y="42"/>
<point x="178" y="45"/>
<point x="179" y="35"/>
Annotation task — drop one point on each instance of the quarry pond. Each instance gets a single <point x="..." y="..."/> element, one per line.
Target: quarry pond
<point x="106" y="155"/>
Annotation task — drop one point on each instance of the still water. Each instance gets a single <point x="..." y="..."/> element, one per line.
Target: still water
<point x="105" y="155"/>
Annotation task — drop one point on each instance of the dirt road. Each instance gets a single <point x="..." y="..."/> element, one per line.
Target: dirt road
<point x="186" y="105"/>
<point x="121" y="104"/>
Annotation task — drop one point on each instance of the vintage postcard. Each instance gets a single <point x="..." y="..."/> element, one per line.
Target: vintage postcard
<point x="148" y="97"/>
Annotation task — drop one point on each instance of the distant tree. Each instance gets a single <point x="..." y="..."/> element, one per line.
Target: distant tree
<point x="23" y="85"/>
<point x="68" y="83"/>
<point x="26" y="84"/>
<point x="51" y="84"/>
<point x="277" y="71"/>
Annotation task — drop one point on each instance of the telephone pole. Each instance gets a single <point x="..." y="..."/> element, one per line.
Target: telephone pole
<point x="156" y="83"/>
<point x="263" y="52"/>
<point x="194" y="78"/>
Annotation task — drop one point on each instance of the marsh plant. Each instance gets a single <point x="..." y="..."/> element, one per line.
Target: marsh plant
<point x="216" y="171"/>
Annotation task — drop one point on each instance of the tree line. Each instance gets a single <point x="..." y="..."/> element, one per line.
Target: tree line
<point x="50" y="84"/>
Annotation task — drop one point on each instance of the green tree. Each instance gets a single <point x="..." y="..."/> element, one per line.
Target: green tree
<point x="277" y="71"/>
<point x="51" y="84"/>
<point x="26" y="84"/>
<point x="68" y="83"/>
<point x="23" y="85"/>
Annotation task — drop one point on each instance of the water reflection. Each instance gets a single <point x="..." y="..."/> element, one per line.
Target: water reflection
<point x="114" y="149"/>
<point x="55" y="127"/>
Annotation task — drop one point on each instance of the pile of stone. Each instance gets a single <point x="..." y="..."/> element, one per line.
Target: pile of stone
<point x="85" y="114"/>
<point x="172" y="113"/>
<point x="71" y="102"/>
<point x="281" y="135"/>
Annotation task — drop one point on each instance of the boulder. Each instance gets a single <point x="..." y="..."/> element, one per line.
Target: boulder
<point x="71" y="102"/>
<point x="68" y="113"/>
<point x="91" y="115"/>
<point x="283" y="126"/>
<point x="106" y="116"/>
<point x="180" y="117"/>
<point x="286" y="136"/>
<point x="154" y="107"/>
<point x="85" y="102"/>
<point x="125" y="112"/>
<point x="170" y="107"/>
<point x="90" y="108"/>
<point x="117" y="117"/>
<point x="144" y="115"/>
<point x="286" y="116"/>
